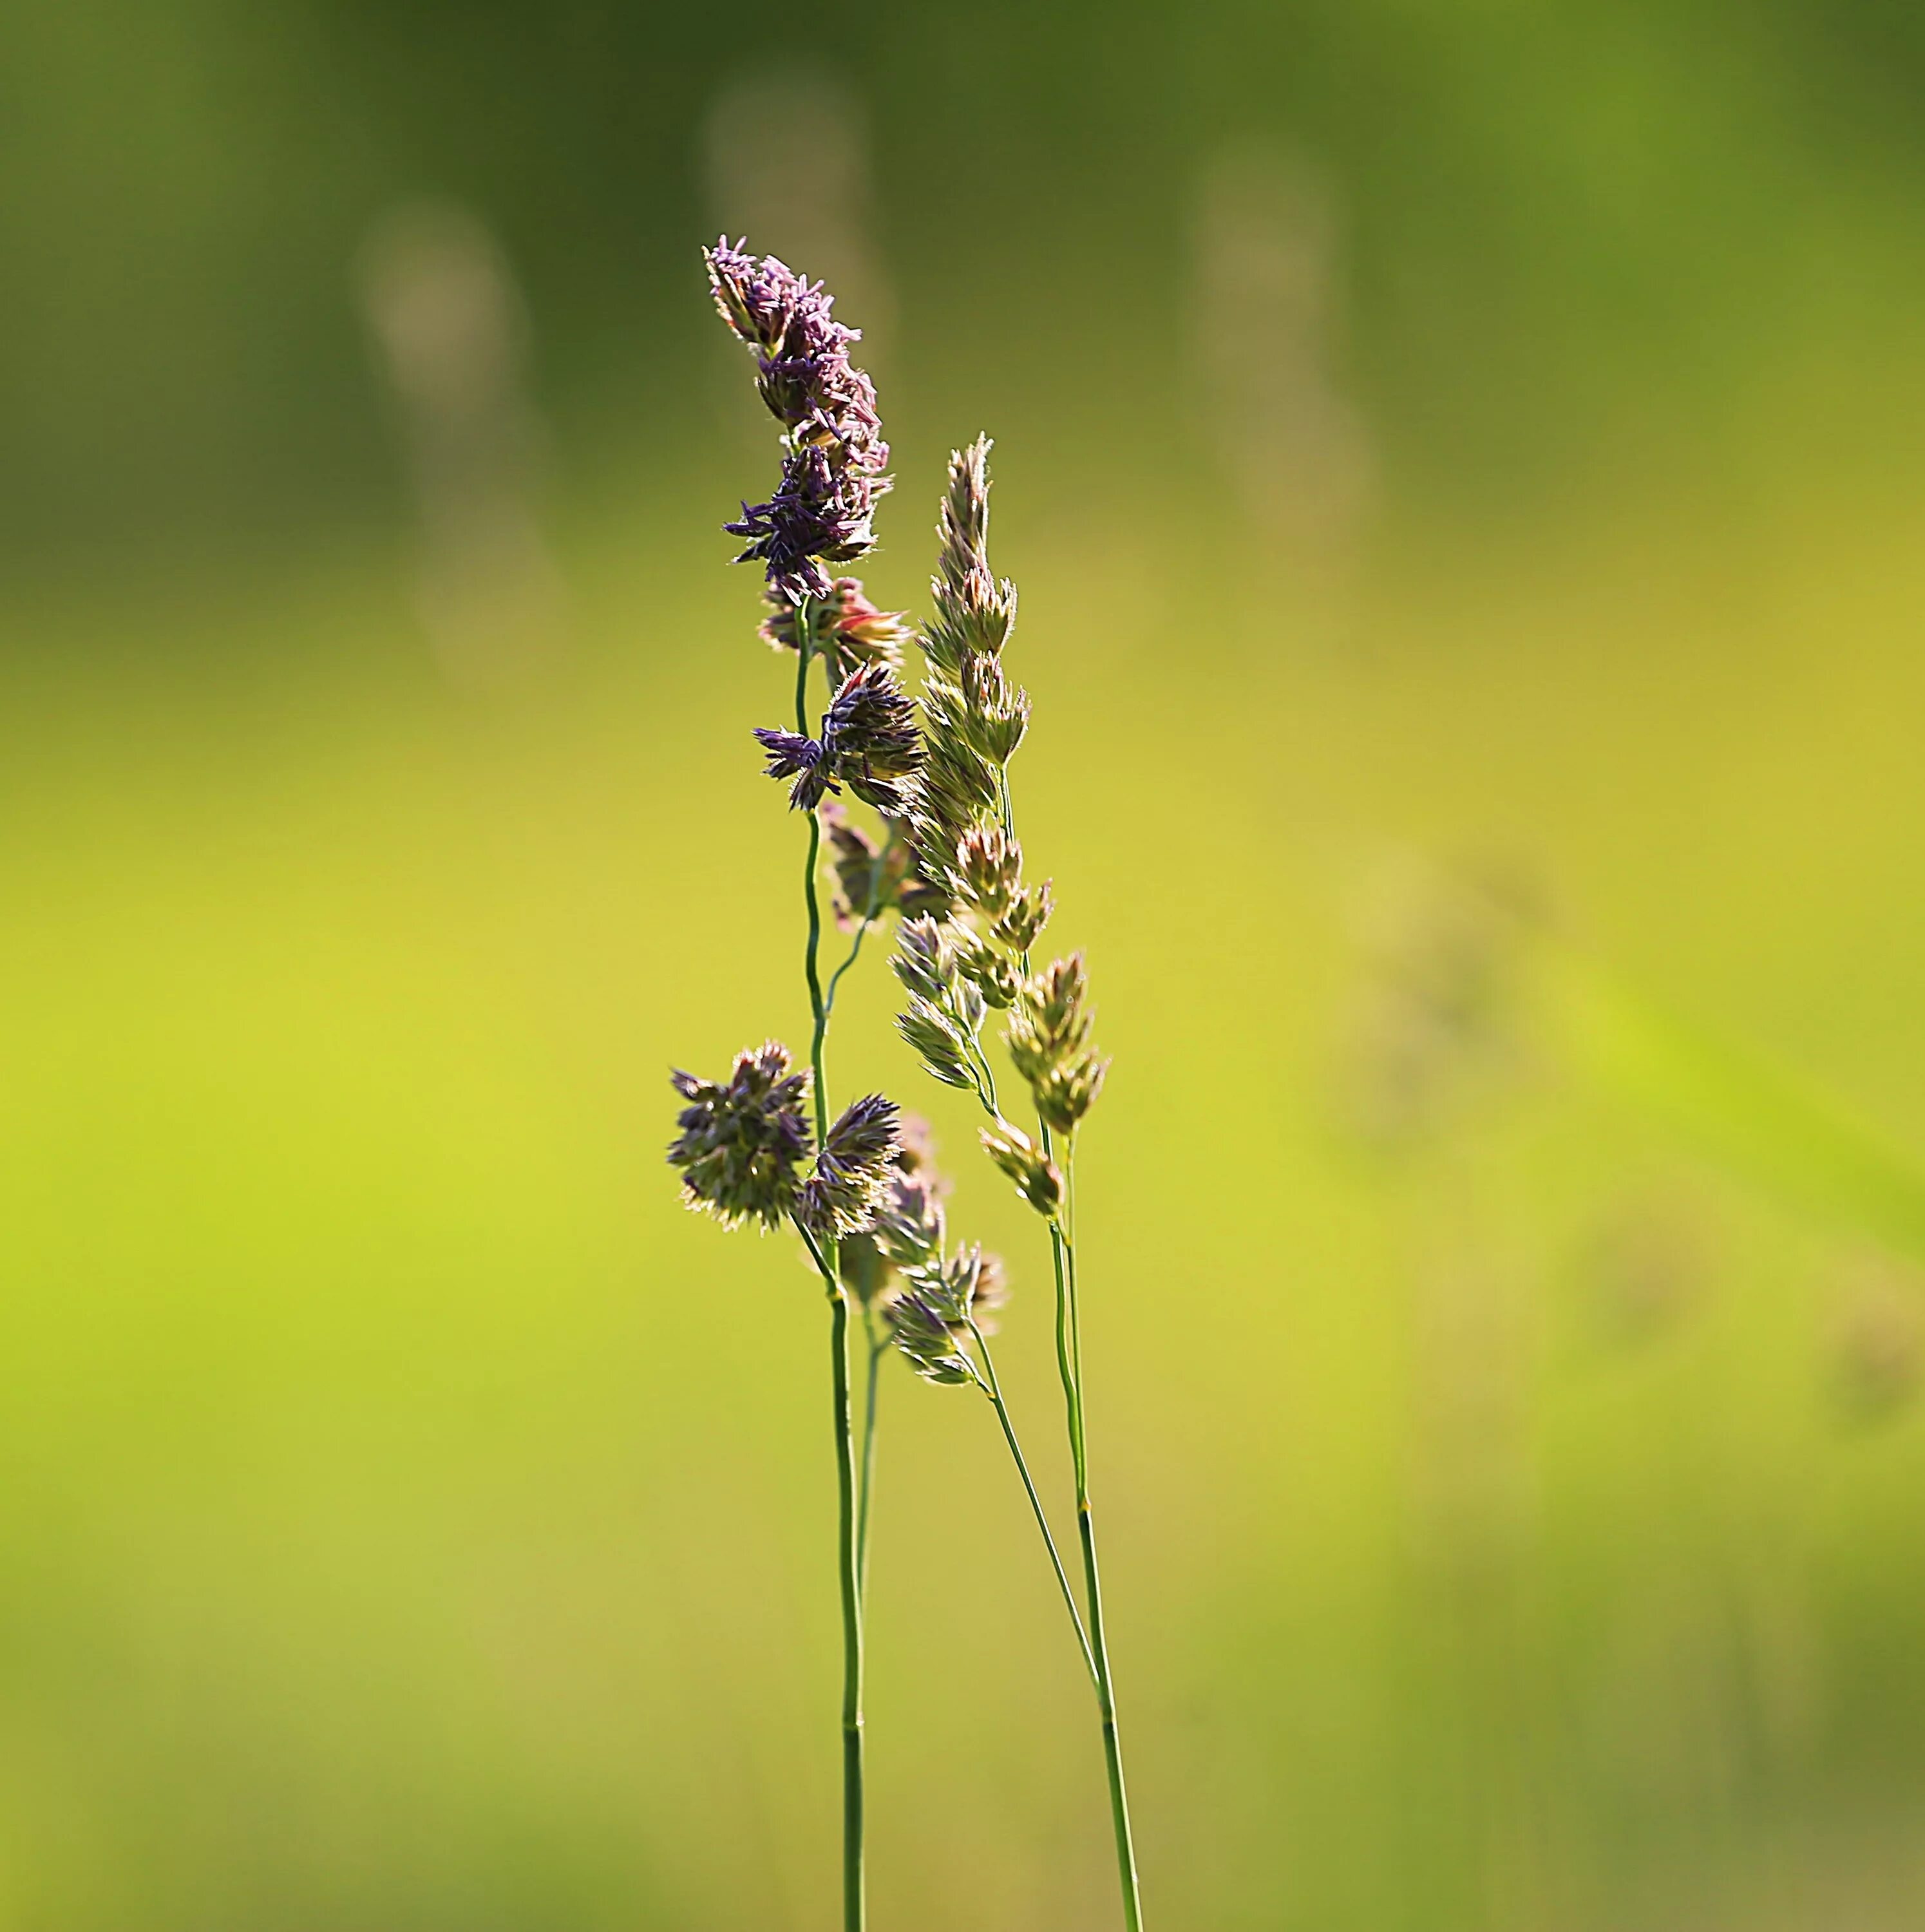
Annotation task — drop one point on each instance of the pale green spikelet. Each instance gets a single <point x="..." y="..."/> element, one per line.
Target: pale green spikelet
<point x="988" y="869"/>
<point x="996" y="712"/>
<point x="993" y="972"/>
<point x="1029" y="909"/>
<point x="1037" y="1178"/>
<point x="938" y="1042"/>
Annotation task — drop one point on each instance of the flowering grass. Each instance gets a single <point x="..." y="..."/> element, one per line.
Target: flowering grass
<point x="863" y="1196"/>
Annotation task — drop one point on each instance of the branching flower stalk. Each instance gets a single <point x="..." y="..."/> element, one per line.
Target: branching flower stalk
<point x="861" y="1190"/>
<point x="959" y="962"/>
<point x="744" y="1143"/>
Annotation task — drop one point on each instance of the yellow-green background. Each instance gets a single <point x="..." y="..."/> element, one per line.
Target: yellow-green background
<point x="410" y="1518"/>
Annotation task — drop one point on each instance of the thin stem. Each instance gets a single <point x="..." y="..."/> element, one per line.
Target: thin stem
<point x="818" y="1008"/>
<point x="1070" y="1357"/>
<point x="985" y="1088"/>
<point x="854" y="1904"/>
<point x="855" y="1912"/>
<point x="1067" y="1359"/>
<point x="877" y="1349"/>
<point x="869" y="920"/>
<point x="992" y="1388"/>
<point x="854" y="1908"/>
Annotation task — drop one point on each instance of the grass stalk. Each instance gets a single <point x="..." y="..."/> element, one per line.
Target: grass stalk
<point x="849" y="1553"/>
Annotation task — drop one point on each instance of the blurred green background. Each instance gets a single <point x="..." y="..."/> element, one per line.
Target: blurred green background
<point x="1460" y="461"/>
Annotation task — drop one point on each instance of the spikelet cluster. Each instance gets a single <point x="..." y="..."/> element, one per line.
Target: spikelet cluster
<point x="744" y="1141"/>
<point x="976" y="959"/>
<point x="836" y="462"/>
<point x="974" y="716"/>
<point x="1048" y="1040"/>
<point x="844" y="628"/>
<point x="1038" y="1180"/>
<point x="901" y="1268"/>
<point x="869" y="742"/>
<point x="941" y="1301"/>
<point x="908" y="1225"/>
<point x="744" y="1146"/>
<point x="943" y="1021"/>
<point x="842" y="1194"/>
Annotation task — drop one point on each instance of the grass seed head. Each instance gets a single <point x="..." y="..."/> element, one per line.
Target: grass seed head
<point x="938" y="1042"/>
<point x="869" y="738"/>
<point x="1028" y="914"/>
<point x="844" y="627"/>
<point x="925" y="961"/>
<point x="1036" y="1177"/>
<point x="975" y="612"/>
<point x="919" y="1331"/>
<point x="995" y="711"/>
<point x="989" y="868"/>
<point x="837" y="460"/>
<point x="992" y="972"/>
<point x="743" y="1140"/>
<point x="790" y="755"/>
<point x="841" y="1195"/>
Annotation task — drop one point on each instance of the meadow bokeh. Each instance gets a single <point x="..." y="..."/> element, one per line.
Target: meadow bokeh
<point x="1460" y="462"/>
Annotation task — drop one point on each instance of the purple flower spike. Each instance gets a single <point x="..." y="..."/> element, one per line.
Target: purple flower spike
<point x="835" y="469"/>
<point x="792" y="756"/>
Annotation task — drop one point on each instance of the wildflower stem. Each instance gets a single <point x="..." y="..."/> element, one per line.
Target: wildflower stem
<point x="818" y="1007"/>
<point x="869" y="920"/>
<point x="854" y="1904"/>
<point x="877" y="1349"/>
<point x="985" y="1087"/>
<point x="848" y="1563"/>
<point x="1069" y="1362"/>
<point x="855" y="1910"/>
<point x="992" y="1388"/>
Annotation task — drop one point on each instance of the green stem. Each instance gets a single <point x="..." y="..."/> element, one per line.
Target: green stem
<point x="985" y="1086"/>
<point x="811" y="970"/>
<point x="992" y="1388"/>
<point x="1069" y="1364"/>
<point x="869" y="920"/>
<point x="877" y="1349"/>
<point x="1069" y="1367"/>
<point x="848" y="1571"/>
<point x="854" y="1904"/>
<point x="855" y="1912"/>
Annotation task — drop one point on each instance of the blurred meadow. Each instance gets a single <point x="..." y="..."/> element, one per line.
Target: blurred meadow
<point x="1461" y="464"/>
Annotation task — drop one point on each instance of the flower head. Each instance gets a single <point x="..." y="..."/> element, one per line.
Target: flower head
<point x="1028" y="912"/>
<point x="948" y="1299"/>
<point x="1036" y="1177"/>
<point x="908" y="1229"/>
<point x="844" y="627"/>
<point x="841" y="1195"/>
<point x="1048" y="1040"/>
<point x="762" y="300"/>
<point x="743" y="1140"/>
<point x="821" y="510"/>
<point x="869" y="742"/>
<point x="837" y="460"/>
<point x="989" y="868"/>
<point x="926" y="965"/>
<point x="918" y="1328"/>
<point x="792" y="756"/>
<point x="869" y="737"/>
<point x="975" y="611"/>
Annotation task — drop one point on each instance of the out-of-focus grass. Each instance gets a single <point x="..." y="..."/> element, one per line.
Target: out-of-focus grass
<point x="411" y="1517"/>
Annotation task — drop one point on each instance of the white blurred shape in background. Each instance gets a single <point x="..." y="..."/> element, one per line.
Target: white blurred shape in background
<point x="1267" y="323"/>
<point x="819" y="219"/>
<point x="451" y="332"/>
